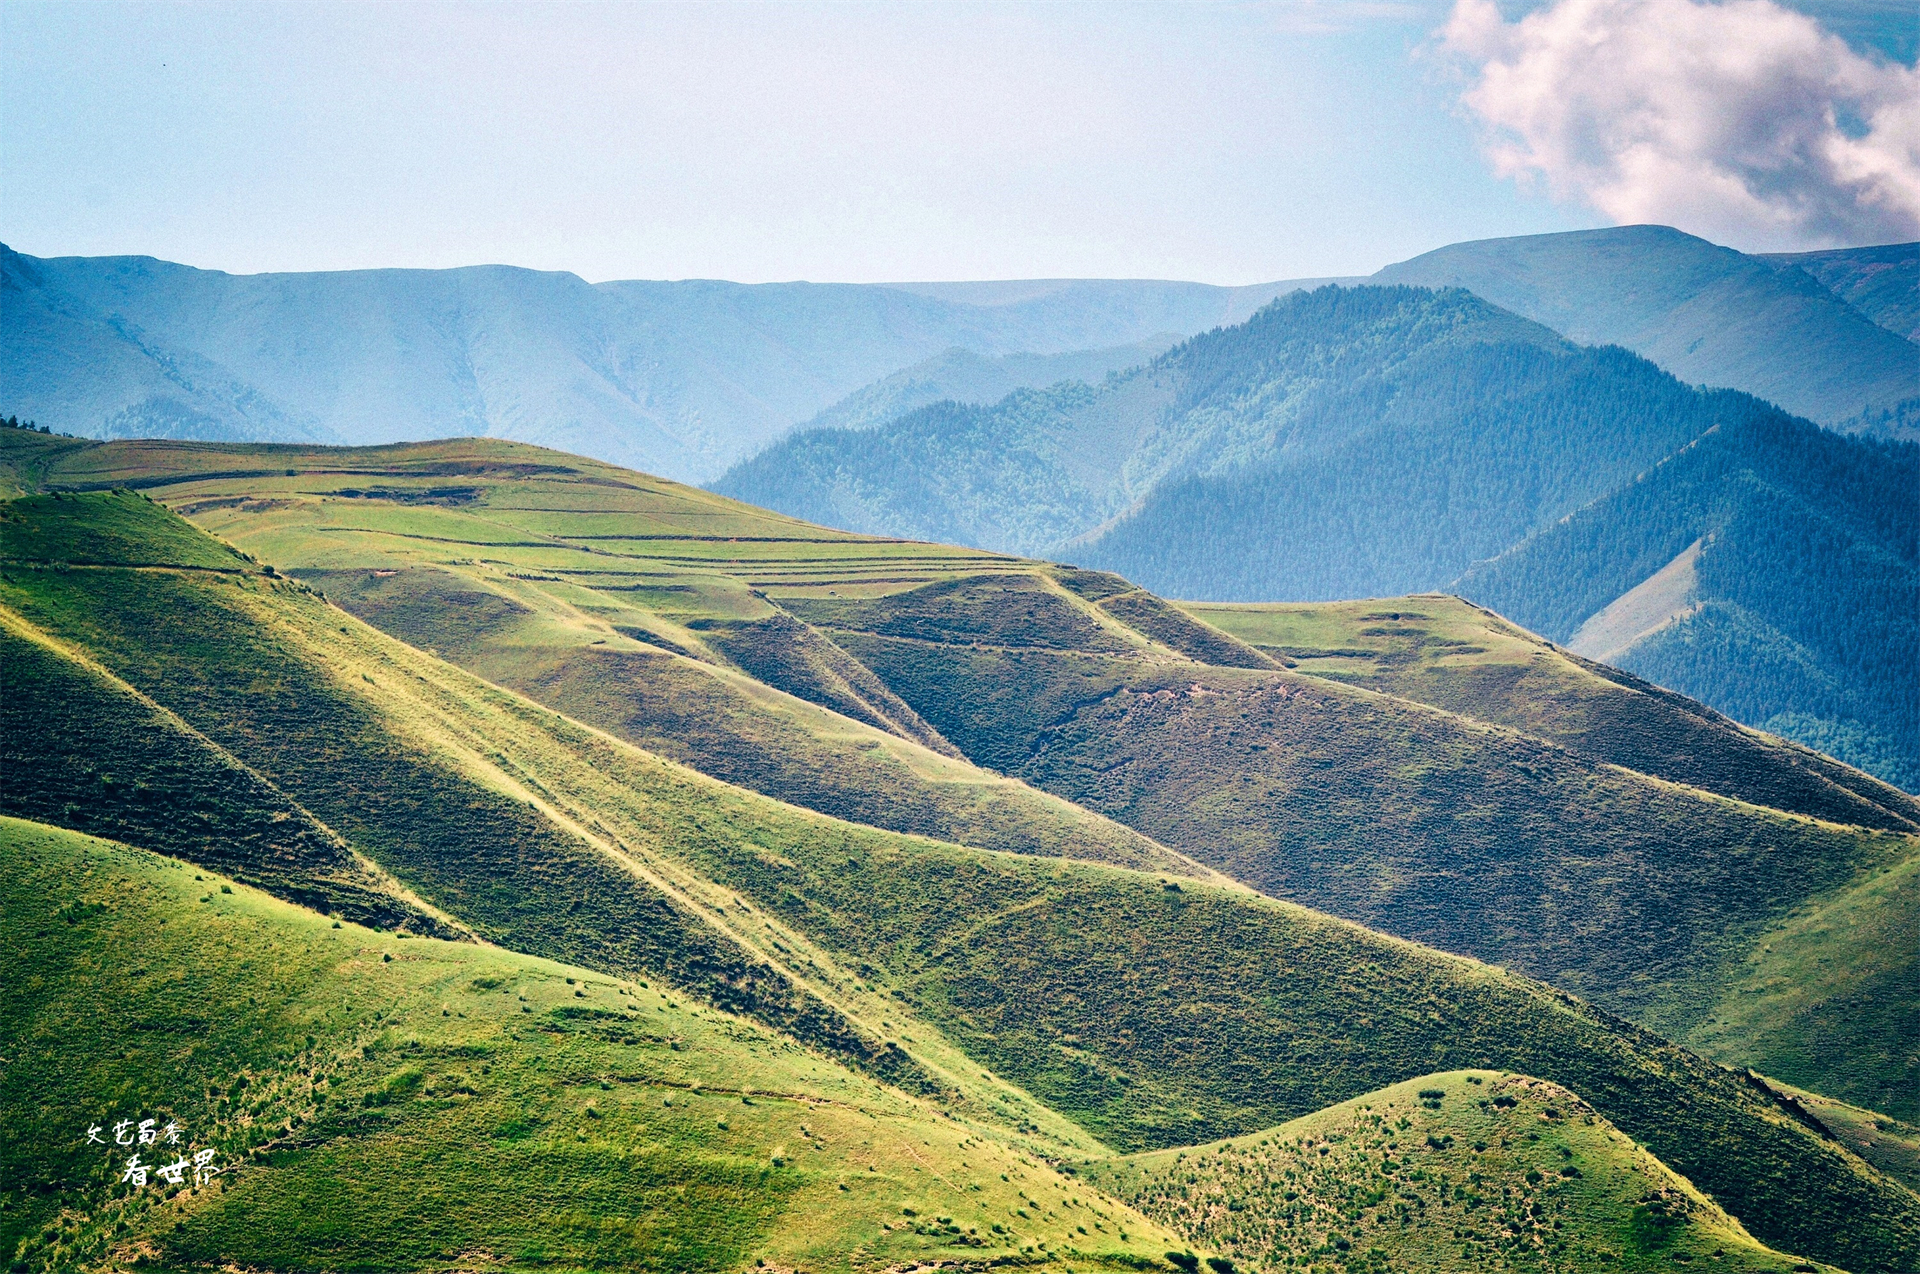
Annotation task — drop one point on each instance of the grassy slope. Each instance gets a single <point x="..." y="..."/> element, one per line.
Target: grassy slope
<point x="1467" y="835"/>
<point x="1122" y="1008"/>
<point x="576" y="583"/>
<point x="1463" y="1171"/>
<point x="414" y="1105"/>
<point x="83" y="749"/>
<point x="1826" y="996"/>
<point x="1889" y="1144"/>
<point x="1822" y="997"/>
<point x="1451" y="654"/>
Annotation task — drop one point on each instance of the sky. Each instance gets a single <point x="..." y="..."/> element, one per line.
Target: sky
<point x="1221" y="142"/>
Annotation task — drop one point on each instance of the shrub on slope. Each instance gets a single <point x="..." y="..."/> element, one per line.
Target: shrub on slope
<point x="1469" y="1170"/>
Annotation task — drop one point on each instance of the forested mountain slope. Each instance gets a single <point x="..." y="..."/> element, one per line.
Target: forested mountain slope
<point x="1081" y="1005"/>
<point x="1709" y="315"/>
<point x="1770" y="569"/>
<point x="1042" y="467"/>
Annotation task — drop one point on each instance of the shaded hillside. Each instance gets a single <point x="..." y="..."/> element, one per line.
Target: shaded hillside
<point x="83" y="749"/>
<point x="1795" y="574"/>
<point x="1707" y="314"/>
<point x="1121" y="1009"/>
<point x="1457" y="1172"/>
<point x="1450" y="654"/>
<point x="682" y="378"/>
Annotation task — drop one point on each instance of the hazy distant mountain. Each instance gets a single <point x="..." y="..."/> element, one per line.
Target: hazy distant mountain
<point x="677" y="378"/>
<point x="1882" y="283"/>
<point x="1709" y="315"/>
<point x="1378" y="441"/>
<point x="960" y="375"/>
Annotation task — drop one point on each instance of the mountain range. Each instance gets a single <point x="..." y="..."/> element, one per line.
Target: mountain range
<point x="680" y="378"/>
<point x="1827" y="336"/>
<point x="686" y="378"/>
<point x="494" y="857"/>
<point x="1376" y="441"/>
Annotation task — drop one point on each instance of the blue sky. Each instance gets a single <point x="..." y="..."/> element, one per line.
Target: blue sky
<point x="1226" y="142"/>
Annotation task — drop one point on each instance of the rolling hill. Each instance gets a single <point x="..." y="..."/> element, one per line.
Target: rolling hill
<point x="1453" y="828"/>
<point x="1063" y="1007"/>
<point x="410" y="1104"/>
<point x="1461" y="1171"/>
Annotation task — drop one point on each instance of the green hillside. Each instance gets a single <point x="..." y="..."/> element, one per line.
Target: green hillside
<point x="656" y="635"/>
<point x="1070" y="1007"/>
<point x="1450" y="654"/>
<point x="1829" y="988"/>
<point x="376" y="1102"/>
<point x="1455" y="828"/>
<point x="1469" y="1170"/>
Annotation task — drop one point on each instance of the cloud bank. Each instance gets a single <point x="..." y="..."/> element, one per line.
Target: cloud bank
<point x="1739" y="121"/>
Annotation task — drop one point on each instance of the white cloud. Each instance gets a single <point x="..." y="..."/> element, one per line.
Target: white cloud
<point x="1738" y="121"/>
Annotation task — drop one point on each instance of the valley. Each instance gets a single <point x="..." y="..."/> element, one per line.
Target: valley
<point x="1020" y="850"/>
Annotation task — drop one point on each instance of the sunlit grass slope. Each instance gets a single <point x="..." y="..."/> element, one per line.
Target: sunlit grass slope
<point x="1124" y="1010"/>
<point x="1463" y="1171"/>
<point x="380" y="1103"/>
<point x="629" y="602"/>
<point x="1449" y="653"/>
